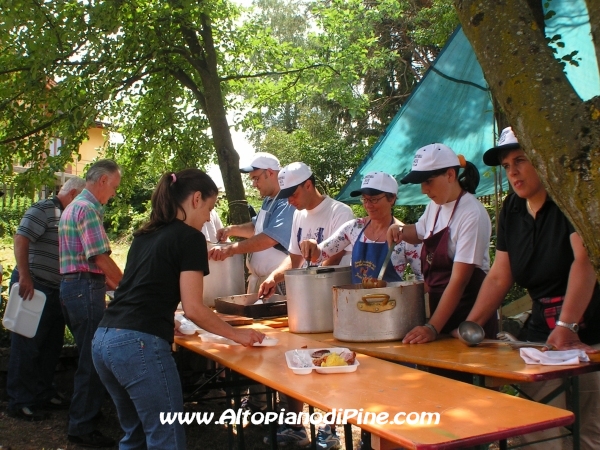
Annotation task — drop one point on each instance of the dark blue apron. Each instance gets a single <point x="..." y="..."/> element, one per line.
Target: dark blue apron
<point x="367" y="259"/>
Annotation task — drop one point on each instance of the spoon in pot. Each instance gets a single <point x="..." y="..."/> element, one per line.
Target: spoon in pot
<point x="379" y="283"/>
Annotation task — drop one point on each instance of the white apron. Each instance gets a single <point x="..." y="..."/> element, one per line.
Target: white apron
<point x="261" y="264"/>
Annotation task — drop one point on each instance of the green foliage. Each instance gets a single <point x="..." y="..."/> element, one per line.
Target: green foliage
<point x="316" y="81"/>
<point x="11" y="213"/>
<point x="349" y="66"/>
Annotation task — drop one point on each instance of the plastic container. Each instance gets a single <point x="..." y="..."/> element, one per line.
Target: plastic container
<point x="300" y="362"/>
<point x="23" y="316"/>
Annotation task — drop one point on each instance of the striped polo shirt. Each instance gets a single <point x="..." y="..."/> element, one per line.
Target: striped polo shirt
<point x="81" y="235"/>
<point x="40" y="226"/>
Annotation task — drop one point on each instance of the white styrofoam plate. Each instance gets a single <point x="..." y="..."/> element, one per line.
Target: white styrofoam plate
<point x="267" y="342"/>
<point x="215" y="338"/>
<point x="23" y="316"/>
<point x="296" y="361"/>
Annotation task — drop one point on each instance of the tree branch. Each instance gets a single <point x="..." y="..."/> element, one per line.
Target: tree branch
<point x="36" y="130"/>
<point x="185" y="79"/>
<point x="270" y="73"/>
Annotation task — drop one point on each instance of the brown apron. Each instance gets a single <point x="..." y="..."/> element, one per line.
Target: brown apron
<point x="437" y="269"/>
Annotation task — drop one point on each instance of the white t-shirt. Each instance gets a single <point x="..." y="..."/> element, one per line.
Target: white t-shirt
<point x="470" y="230"/>
<point x="319" y="223"/>
<point x="209" y="229"/>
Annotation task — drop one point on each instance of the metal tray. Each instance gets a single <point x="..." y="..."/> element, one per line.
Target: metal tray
<point x="244" y="305"/>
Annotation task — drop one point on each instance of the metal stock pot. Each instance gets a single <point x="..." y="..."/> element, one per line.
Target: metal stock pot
<point x="381" y="314"/>
<point x="310" y="298"/>
<point x="225" y="278"/>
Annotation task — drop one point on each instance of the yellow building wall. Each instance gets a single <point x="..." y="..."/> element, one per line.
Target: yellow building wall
<point x="89" y="150"/>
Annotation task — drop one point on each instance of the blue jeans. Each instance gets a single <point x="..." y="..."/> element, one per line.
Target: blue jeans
<point x="140" y="374"/>
<point x="83" y="302"/>
<point x="33" y="360"/>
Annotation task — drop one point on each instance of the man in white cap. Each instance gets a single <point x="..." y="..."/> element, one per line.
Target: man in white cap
<point x="317" y="216"/>
<point x="268" y="234"/>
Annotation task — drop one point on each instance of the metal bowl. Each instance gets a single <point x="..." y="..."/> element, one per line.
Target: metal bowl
<point x="470" y="333"/>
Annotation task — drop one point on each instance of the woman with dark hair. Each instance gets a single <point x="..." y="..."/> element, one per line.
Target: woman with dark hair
<point x="132" y="346"/>
<point x="455" y="231"/>
<point x="366" y="236"/>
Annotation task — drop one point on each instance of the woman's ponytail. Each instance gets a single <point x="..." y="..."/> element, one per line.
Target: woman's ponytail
<point x="469" y="178"/>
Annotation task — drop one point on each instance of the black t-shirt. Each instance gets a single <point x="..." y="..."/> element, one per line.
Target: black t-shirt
<point x="541" y="256"/>
<point x="148" y="294"/>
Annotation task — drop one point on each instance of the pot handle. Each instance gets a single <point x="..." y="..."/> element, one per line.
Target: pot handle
<point x="324" y="270"/>
<point x="384" y="298"/>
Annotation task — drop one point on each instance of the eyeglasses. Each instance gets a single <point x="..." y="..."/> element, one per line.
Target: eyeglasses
<point x="371" y="200"/>
<point x="256" y="178"/>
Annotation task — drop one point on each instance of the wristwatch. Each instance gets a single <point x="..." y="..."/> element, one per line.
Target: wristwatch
<point x="574" y="327"/>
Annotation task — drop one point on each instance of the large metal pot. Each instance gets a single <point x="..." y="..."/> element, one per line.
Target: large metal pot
<point x="310" y="299"/>
<point x="225" y="278"/>
<point x="381" y="314"/>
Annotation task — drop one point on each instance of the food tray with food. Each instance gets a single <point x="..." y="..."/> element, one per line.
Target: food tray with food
<point x="327" y="360"/>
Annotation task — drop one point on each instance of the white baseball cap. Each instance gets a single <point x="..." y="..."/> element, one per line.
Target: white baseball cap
<point x="292" y="176"/>
<point x="376" y="183"/>
<point x="506" y="141"/>
<point x="428" y="160"/>
<point x="261" y="160"/>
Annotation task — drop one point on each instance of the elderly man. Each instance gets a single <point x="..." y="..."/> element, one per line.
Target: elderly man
<point x="32" y="362"/>
<point x="268" y="235"/>
<point x="317" y="217"/>
<point x="87" y="269"/>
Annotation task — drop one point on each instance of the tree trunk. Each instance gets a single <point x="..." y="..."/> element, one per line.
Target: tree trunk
<point x="593" y="7"/>
<point x="215" y="111"/>
<point x="559" y="132"/>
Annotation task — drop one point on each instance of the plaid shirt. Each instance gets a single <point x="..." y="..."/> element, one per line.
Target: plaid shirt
<point x="81" y="234"/>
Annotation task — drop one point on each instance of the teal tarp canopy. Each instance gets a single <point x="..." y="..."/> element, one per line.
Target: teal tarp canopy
<point x="452" y="104"/>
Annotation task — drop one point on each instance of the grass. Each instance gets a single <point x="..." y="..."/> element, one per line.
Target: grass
<point x="7" y="257"/>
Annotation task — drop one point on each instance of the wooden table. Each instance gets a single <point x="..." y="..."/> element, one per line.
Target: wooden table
<point x="469" y="415"/>
<point x="495" y="362"/>
<point x="489" y="365"/>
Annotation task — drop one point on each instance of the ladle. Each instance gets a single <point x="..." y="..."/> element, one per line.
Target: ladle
<point x="471" y="333"/>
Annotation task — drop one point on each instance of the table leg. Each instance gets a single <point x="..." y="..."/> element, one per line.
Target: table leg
<point x="273" y="425"/>
<point x="313" y="438"/>
<point x="348" y="436"/>
<point x="365" y="438"/>
<point x="237" y="405"/>
<point x="576" y="412"/>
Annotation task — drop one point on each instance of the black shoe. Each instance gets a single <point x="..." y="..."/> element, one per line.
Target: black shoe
<point x="26" y="413"/>
<point x="94" y="439"/>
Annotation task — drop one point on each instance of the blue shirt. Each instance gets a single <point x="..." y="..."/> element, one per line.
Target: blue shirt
<point x="279" y="215"/>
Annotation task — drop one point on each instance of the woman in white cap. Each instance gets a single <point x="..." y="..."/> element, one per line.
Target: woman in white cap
<point x="455" y="231"/>
<point x="367" y="235"/>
